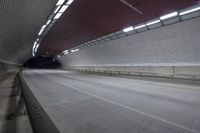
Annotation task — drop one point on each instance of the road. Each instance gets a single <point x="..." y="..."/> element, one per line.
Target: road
<point x="84" y="103"/>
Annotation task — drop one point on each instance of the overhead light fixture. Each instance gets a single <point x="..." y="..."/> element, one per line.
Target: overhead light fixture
<point x="48" y="22"/>
<point x="44" y="26"/>
<point x="57" y="15"/>
<point x="190" y="11"/>
<point x="36" y="48"/>
<point x="60" y="2"/>
<point x="140" y="26"/>
<point x="42" y="29"/>
<point x="66" y="52"/>
<point x="75" y="50"/>
<point x="69" y="2"/>
<point x="173" y="14"/>
<point x="63" y="8"/>
<point x="37" y="39"/>
<point x="153" y="22"/>
<point x="58" y="7"/>
<point x="128" y="29"/>
<point x="40" y="33"/>
<point x="35" y="43"/>
<point x="58" y="56"/>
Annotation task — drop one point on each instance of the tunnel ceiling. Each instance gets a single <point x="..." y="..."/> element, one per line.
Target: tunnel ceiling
<point x="85" y="20"/>
<point x="20" y="22"/>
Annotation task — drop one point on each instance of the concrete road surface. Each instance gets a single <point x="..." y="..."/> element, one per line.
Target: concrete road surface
<point x="83" y="103"/>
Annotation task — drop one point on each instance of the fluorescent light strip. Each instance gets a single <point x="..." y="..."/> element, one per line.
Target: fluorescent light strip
<point x="33" y="53"/>
<point x="40" y="33"/>
<point x="69" y="2"/>
<point x="153" y="22"/>
<point x="35" y="43"/>
<point x="48" y="22"/>
<point x="57" y="15"/>
<point x="44" y="26"/>
<point x="58" y="7"/>
<point x="173" y="14"/>
<point x="42" y="29"/>
<point x="60" y="2"/>
<point x="63" y="8"/>
<point x="33" y="49"/>
<point x="35" y="46"/>
<point x="190" y="11"/>
<point x="66" y="52"/>
<point x="140" y="26"/>
<point x="75" y="50"/>
<point x="128" y="29"/>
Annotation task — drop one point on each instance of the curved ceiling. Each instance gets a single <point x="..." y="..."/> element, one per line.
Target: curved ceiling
<point x="20" y="22"/>
<point x="89" y="19"/>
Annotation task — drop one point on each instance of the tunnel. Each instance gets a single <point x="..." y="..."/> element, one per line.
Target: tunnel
<point x="99" y="66"/>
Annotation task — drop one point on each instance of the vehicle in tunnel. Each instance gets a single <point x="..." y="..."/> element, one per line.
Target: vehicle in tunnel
<point x="43" y="61"/>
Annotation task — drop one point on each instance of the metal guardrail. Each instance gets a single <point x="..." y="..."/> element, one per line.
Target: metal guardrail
<point x="144" y="74"/>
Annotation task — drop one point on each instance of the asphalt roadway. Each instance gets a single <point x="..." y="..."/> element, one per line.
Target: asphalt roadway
<point x="84" y="103"/>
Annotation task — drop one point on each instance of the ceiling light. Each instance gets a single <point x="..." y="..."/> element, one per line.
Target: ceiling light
<point x="173" y="14"/>
<point x="36" y="47"/>
<point x="57" y="15"/>
<point x="140" y="26"/>
<point x="58" y="7"/>
<point x="153" y="22"/>
<point x="42" y="29"/>
<point x="75" y="50"/>
<point x="35" y="43"/>
<point x="128" y="29"/>
<point x="189" y="11"/>
<point x="64" y="8"/>
<point x="40" y="33"/>
<point x="60" y="2"/>
<point x="37" y="39"/>
<point x="69" y="2"/>
<point x="48" y="22"/>
<point x="66" y="52"/>
<point x="44" y="26"/>
<point x="58" y="56"/>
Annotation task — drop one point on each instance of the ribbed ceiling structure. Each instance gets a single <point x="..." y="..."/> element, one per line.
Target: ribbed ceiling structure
<point x="20" y="22"/>
<point x="86" y="20"/>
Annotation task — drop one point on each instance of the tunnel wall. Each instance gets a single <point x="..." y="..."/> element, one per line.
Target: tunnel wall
<point x="5" y="67"/>
<point x="170" y="50"/>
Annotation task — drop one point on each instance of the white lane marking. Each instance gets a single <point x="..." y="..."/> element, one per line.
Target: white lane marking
<point x="126" y="107"/>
